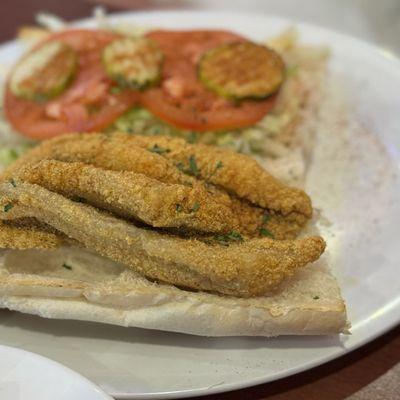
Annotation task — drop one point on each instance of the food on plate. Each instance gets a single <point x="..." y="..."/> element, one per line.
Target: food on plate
<point x="156" y="221"/>
<point x="188" y="255"/>
<point x="45" y="73"/>
<point x="176" y="204"/>
<point x="87" y="103"/>
<point x="185" y="171"/>
<point x="111" y="68"/>
<point x="260" y="264"/>
<point x="133" y="62"/>
<point x="234" y="172"/>
<point x="241" y="70"/>
<point x="166" y="82"/>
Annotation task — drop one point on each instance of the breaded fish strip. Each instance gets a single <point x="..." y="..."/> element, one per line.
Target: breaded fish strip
<point x="25" y="237"/>
<point x="101" y="150"/>
<point x="237" y="173"/>
<point x="245" y="269"/>
<point x="133" y="195"/>
<point x="113" y="153"/>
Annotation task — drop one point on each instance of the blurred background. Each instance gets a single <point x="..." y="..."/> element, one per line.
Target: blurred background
<point x="375" y="21"/>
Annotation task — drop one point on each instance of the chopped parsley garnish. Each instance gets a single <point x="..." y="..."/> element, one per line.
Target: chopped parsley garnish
<point x="266" y="233"/>
<point x="8" y="207"/>
<point x="193" y="169"/>
<point x="178" y="208"/>
<point x="66" y="266"/>
<point x="195" y="207"/>
<point x="265" y="218"/>
<point x="159" y="150"/>
<point x="116" y="90"/>
<point x="218" y="165"/>
<point x="192" y="137"/>
<point x="231" y="236"/>
<point x="316" y="297"/>
<point x="13" y="182"/>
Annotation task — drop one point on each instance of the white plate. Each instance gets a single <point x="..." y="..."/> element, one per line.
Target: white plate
<point x="354" y="180"/>
<point x="25" y="375"/>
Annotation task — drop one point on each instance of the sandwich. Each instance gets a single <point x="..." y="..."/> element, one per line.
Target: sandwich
<point x="176" y="204"/>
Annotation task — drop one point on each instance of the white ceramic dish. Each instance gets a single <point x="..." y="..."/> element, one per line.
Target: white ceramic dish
<point x="354" y="179"/>
<point x="25" y="375"/>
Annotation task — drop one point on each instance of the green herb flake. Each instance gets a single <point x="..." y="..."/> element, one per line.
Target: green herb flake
<point x="116" y="90"/>
<point x="192" y="137"/>
<point x="66" y="266"/>
<point x="316" y="297"/>
<point x="265" y="218"/>
<point x="159" y="150"/>
<point x="236" y="236"/>
<point x="193" y="169"/>
<point x="218" y="165"/>
<point x="180" y="166"/>
<point x="266" y="233"/>
<point x="13" y="182"/>
<point x="178" y="208"/>
<point x="195" y="207"/>
<point x="231" y="236"/>
<point x="8" y="207"/>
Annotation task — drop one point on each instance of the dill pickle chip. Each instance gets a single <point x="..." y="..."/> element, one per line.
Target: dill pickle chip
<point x="242" y="70"/>
<point x="133" y="62"/>
<point x="45" y="72"/>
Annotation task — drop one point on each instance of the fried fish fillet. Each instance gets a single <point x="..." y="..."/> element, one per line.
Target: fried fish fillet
<point x="244" y="269"/>
<point x="133" y="195"/>
<point x="118" y="152"/>
<point x="237" y="173"/>
<point x="103" y="151"/>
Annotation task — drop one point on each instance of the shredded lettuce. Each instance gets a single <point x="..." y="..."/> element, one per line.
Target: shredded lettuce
<point x="9" y="154"/>
<point x="141" y="122"/>
<point x="252" y="140"/>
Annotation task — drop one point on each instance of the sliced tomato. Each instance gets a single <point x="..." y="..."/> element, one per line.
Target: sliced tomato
<point x="86" y="105"/>
<point x="182" y="100"/>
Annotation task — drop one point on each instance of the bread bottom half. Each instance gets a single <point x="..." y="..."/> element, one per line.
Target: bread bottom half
<point x="71" y="283"/>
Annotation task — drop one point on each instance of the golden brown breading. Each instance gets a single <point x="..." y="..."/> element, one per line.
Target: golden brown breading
<point x="27" y="237"/>
<point x="248" y="268"/>
<point x="133" y="195"/>
<point x="237" y="173"/>
<point x="101" y="150"/>
<point x="118" y="152"/>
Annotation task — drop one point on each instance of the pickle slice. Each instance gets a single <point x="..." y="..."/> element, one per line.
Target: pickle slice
<point x="242" y="70"/>
<point x="133" y="62"/>
<point x="45" y="72"/>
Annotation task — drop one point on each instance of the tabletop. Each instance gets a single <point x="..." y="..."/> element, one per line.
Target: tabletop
<point x="371" y="372"/>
